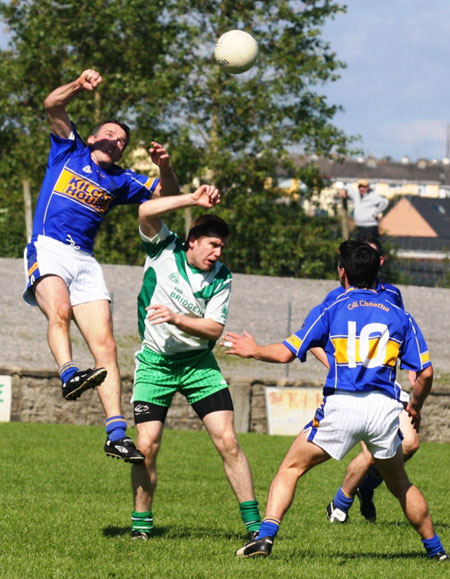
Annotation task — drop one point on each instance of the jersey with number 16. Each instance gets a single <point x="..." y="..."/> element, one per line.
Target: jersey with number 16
<point x="363" y="336"/>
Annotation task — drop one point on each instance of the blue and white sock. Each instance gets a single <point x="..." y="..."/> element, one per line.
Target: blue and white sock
<point x="342" y="501"/>
<point x="67" y="370"/>
<point x="269" y="527"/>
<point x="116" y="427"/>
<point x="433" y="545"/>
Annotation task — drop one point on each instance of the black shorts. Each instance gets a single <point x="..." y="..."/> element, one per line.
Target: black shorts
<point x="147" y="412"/>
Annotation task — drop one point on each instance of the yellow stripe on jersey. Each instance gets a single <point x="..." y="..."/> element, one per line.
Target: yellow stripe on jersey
<point x="341" y="351"/>
<point x="425" y="357"/>
<point x="294" y="341"/>
<point x="149" y="183"/>
<point x="33" y="268"/>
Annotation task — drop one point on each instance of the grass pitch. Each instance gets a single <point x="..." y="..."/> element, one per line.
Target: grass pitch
<point x="65" y="512"/>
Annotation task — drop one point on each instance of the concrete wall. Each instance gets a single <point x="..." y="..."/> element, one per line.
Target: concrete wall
<point x="36" y="397"/>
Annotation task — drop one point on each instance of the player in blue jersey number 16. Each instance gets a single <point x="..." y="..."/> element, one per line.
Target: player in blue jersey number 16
<point x="363" y="336"/>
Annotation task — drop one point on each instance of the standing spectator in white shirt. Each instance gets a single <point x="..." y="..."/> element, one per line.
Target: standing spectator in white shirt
<point x="368" y="207"/>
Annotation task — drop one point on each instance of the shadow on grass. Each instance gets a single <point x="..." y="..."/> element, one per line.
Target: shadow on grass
<point x="113" y="532"/>
<point x="343" y="558"/>
<point x="405" y="523"/>
<point x="175" y="532"/>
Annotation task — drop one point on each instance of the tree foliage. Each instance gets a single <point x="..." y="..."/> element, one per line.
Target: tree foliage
<point x="156" y="59"/>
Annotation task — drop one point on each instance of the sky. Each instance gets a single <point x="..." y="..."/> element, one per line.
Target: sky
<point x="394" y="88"/>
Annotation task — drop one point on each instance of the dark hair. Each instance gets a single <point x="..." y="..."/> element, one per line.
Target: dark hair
<point x="123" y="126"/>
<point x="360" y="262"/>
<point x="371" y="240"/>
<point x="209" y="225"/>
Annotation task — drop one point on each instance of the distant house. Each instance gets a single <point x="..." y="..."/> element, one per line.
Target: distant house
<point x="419" y="221"/>
<point x="392" y="178"/>
<point x="420" y="229"/>
<point x="388" y="178"/>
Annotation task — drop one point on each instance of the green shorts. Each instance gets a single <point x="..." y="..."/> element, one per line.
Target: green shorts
<point x="157" y="378"/>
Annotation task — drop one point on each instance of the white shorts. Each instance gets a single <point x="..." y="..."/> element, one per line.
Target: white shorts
<point x="346" y="418"/>
<point x="78" y="269"/>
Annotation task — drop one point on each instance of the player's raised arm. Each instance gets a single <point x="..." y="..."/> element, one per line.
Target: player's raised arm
<point x="56" y="102"/>
<point x="168" y="184"/>
<point x="245" y="346"/>
<point x="151" y="211"/>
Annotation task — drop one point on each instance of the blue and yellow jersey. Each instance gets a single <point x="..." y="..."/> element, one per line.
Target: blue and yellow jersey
<point x="363" y="336"/>
<point x="384" y="290"/>
<point x="76" y="193"/>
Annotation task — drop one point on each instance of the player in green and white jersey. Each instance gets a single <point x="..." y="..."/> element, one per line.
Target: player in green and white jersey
<point x="182" y="310"/>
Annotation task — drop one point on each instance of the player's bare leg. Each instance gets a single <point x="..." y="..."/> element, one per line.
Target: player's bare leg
<point x="373" y="479"/>
<point x="410" y="442"/>
<point x="301" y="457"/>
<point x="411" y="499"/>
<point x="220" y="426"/>
<point x="359" y="466"/>
<point x="144" y="478"/>
<point x="357" y="470"/>
<point x="52" y="297"/>
<point x="95" y="323"/>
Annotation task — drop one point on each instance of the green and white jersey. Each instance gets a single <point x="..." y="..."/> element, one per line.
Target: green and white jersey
<point x="171" y="281"/>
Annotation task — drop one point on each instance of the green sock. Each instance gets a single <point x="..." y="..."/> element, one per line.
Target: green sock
<point x="142" y="521"/>
<point x="250" y="515"/>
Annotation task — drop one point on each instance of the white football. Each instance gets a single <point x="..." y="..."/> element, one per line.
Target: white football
<point x="236" y="51"/>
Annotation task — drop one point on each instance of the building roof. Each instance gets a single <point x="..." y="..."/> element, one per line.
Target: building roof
<point x="436" y="213"/>
<point x="376" y="169"/>
<point x="419" y="225"/>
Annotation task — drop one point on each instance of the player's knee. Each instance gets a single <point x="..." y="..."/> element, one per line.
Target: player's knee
<point x="398" y="483"/>
<point x="410" y="446"/>
<point x="228" y="445"/>
<point x="61" y="314"/>
<point x="107" y="347"/>
<point x="149" y="448"/>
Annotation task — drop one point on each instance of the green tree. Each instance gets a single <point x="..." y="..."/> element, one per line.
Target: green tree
<point x="161" y="78"/>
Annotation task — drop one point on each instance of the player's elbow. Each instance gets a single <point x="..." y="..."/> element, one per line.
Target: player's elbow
<point x="50" y="104"/>
<point x="215" y="331"/>
<point x="285" y="356"/>
<point x="426" y="374"/>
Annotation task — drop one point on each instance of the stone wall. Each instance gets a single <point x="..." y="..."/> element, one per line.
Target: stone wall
<point x="36" y="397"/>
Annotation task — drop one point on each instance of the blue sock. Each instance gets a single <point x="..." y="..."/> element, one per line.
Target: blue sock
<point x="433" y="545"/>
<point x="116" y="427"/>
<point x="371" y="481"/>
<point x="341" y="501"/>
<point x="269" y="527"/>
<point x="67" y="371"/>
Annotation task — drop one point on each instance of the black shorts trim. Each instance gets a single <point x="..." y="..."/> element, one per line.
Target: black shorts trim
<point x="220" y="400"/>
<point x="148" y="412"/>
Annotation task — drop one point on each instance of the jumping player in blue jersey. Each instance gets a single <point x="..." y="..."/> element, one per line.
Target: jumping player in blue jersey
<point x="81" y="184"/>
<point x="364" y="336"/>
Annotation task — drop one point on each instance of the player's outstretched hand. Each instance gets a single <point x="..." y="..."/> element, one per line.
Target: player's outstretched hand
<point x="90" y="79"/>
<point x="414" y="413"/>
<point x="158" y="314"/>
<point x="240" y="345"/>
<point x="159" y="155"/>
<point x="206" y="196"/>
